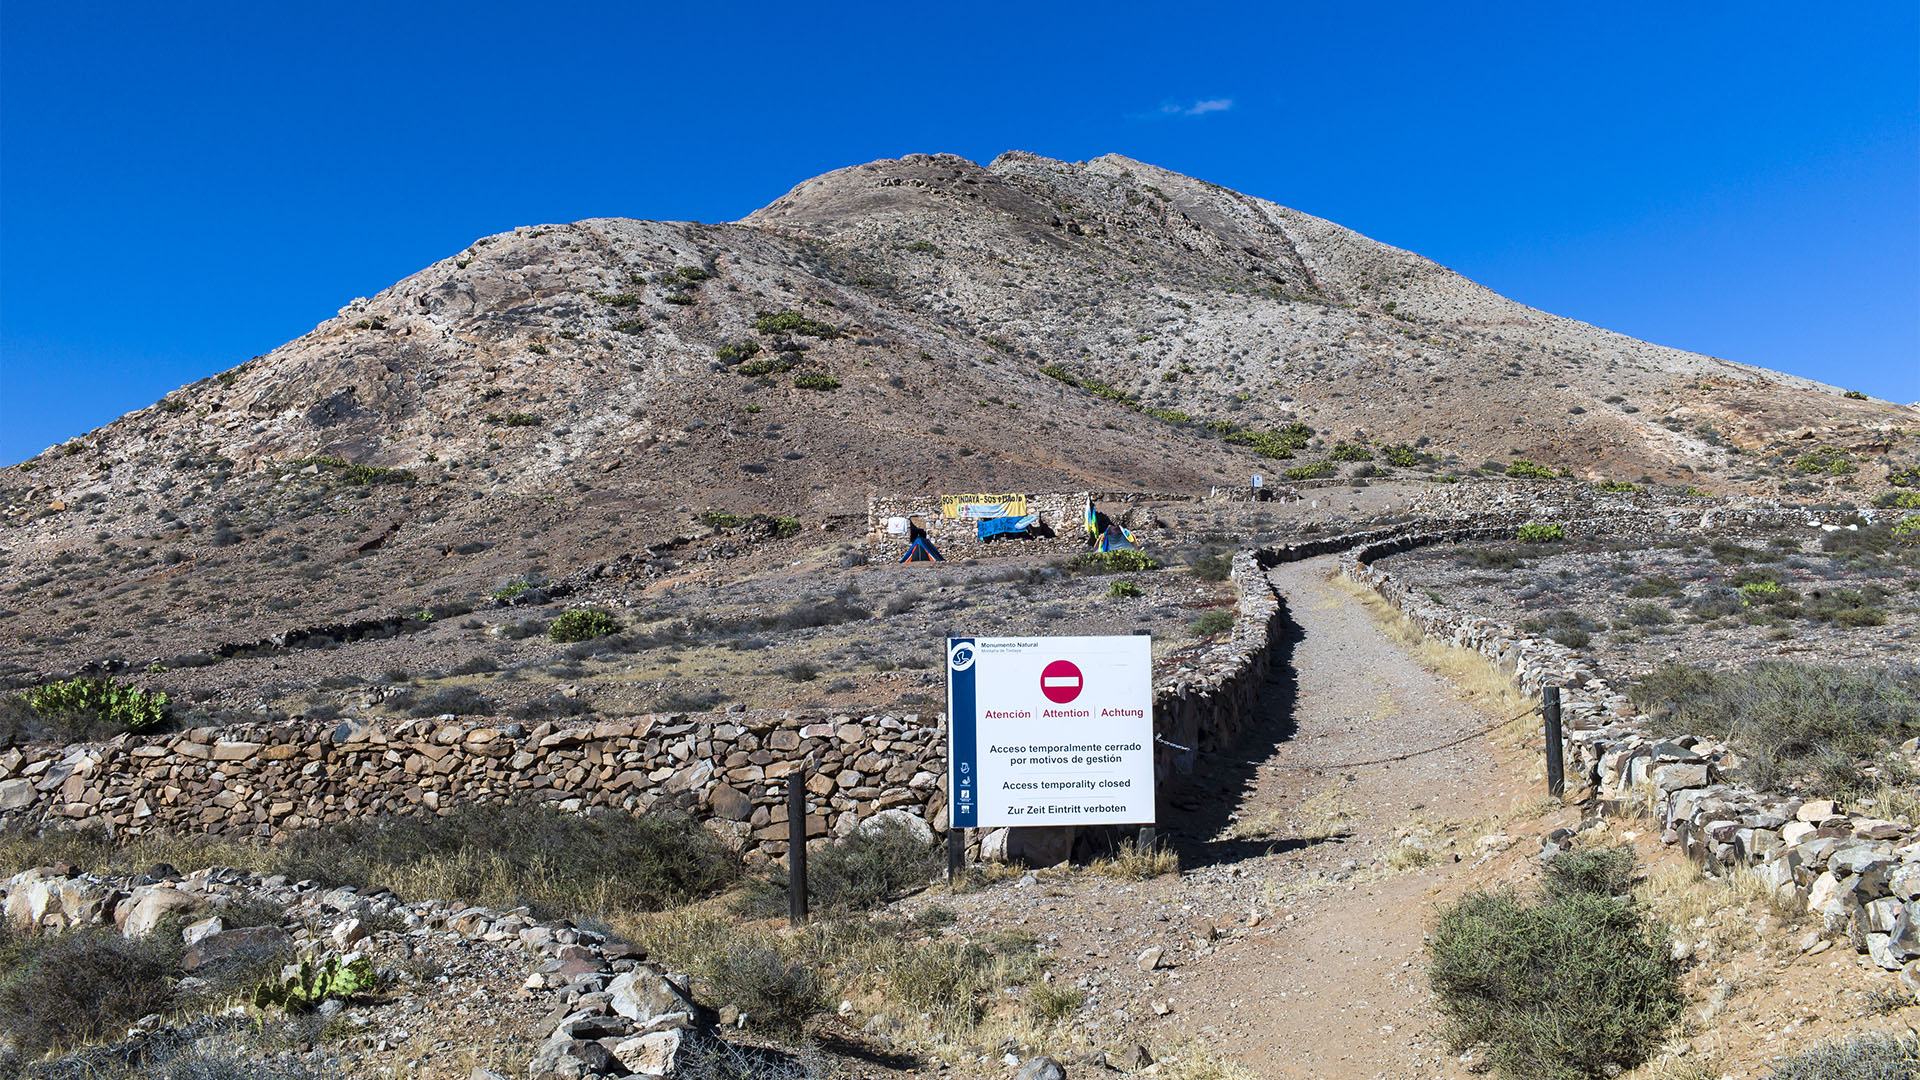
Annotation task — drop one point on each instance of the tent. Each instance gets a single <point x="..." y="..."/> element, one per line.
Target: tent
<point x="1115" y="539"/>
<point x="921" y="550"/>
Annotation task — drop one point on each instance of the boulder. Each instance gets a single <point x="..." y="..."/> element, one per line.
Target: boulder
<point x="1041" y="1068"/>
<point x="1035" y="846"/>
<point x="198" y="932"/>
<point x="16" y="794"/>
<point x="148" y="904"/>
<point x="1816" y="810"/>
<point x="643" y="995"/>
<point x="913" y="824"/>
<point x="653" y="1054"/>
<point x="38" y="898"/>
<point x="571" y="1059"/>
<point x="247" y="945"/>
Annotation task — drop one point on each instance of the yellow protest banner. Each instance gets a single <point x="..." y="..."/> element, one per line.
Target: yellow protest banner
<point x="983" y="506"/>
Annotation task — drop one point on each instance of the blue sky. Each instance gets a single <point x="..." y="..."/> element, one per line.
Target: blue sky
<point x="185" y="186"/>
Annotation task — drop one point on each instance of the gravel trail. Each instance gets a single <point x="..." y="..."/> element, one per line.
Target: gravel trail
<point x="1314" y="968"/>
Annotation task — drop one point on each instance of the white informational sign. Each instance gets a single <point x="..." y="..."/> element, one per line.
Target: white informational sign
<point x="1050" y="731"/>
<point x="1258" y="480"/>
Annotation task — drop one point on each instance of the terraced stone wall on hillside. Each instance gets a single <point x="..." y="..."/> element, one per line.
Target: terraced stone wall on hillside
<point x="729" y="769"/>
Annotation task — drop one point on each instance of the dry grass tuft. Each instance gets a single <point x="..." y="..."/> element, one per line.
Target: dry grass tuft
<point x="1128" y="863"/>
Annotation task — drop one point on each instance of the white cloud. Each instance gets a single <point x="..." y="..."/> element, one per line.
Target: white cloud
<point x="1198" y="108"/>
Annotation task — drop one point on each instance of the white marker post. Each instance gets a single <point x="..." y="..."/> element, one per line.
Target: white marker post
<point x="1050" y="731"/>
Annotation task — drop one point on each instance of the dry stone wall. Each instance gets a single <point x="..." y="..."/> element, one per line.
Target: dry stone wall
<point x="1859" y="874"/>
<point x="730" y="770"/>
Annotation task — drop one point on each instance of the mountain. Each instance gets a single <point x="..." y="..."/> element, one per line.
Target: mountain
<point x="563" y="397"/>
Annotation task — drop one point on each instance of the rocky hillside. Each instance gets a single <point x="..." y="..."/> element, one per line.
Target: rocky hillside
<point x="564" y="397"/>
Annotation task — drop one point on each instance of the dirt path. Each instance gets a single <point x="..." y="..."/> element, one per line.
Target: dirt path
<point x="1315" y="970"/>
<point x="1339" y="990"/>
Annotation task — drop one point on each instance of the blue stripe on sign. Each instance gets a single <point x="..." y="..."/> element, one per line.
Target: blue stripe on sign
<point x="963" y="804"/>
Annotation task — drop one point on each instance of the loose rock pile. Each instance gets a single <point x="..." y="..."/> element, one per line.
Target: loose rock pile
<point x="609" y="1012"/>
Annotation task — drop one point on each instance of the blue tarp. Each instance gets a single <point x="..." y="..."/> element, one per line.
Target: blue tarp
<point x="1002" y="526"/>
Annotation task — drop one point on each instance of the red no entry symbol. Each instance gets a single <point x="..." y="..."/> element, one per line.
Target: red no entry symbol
<point x="1061" y="681"/>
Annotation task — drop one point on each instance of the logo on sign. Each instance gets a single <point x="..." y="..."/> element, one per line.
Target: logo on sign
<point x="961" y="658"/>
<point x="1061" y="681"/>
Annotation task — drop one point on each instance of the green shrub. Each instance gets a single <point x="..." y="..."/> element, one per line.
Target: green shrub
<point x="625" y="299"/>
<point x="357" y="475"/>
<point x="1574" y="986"/>
<point x="1280" y="445"/>
<point x="1532" y="533"/>
<point x="582" y="624"/>
<point x="1856" y="395"/>
<point x="871" y="866"/>
<point x="720" y="519"/>
<point x="1861" y="541"/>
<point x="1522" y="469"/>
<point x="1907" y="532"/>
<point x="1787" y="716"/>
<point x="792" y="322"/>
<point x="1826" y="461"/>
<point x="1565" y="625"/>
<point x="1316" y="471"/>
<point x="816" y="380"/>
<point x="1121" y="590"/>
<point x="1606" y="871"/>
<point x="1212" y="567"/>
<point x="1350" y="452"/>
<point x="1646" y="613"/>
<point x="735" y="352"/>
<point x="1491" y="560"/>
<point x="1055" y="371"/>
<point x="783" y="527"/>
<point x="1656" y="585"/>
<point x="1907" y="477"/>
<point x="1846" y="607"/>
<point x="83" y="704"/>
<point x="63" y="989"/>
<point x="1217" y="621"/>
<point x="1618" y="486"/>
<point x="1125" y="560"/>
<point x="778" y="364"/>
<point x="1898" y="500"/>
<point x="1400" y="456"/>
<point x="776" y="994"/>
<point x="1763" y="592"/>
<point x="503" y="856"/>
<point x="1860" y="1057"/>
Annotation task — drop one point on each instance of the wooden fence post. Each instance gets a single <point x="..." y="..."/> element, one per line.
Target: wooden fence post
<point x="1556" y="760"/>
<point x="797" y="845"/>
